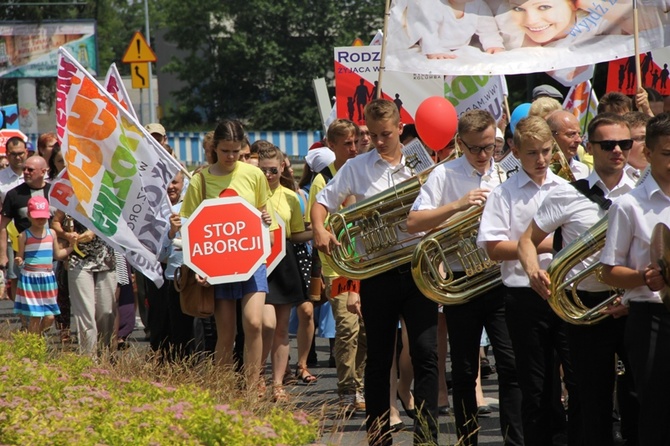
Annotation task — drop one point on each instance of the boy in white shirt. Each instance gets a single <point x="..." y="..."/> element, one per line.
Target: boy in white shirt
<point x="536" y="332"/>
<point x="452" y="187"/>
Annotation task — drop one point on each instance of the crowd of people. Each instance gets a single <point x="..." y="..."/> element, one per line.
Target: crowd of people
<point x="557" y="381"/>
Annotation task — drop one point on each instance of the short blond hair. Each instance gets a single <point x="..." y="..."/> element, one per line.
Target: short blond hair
<point x="529" y="129"/>
<point x="543" y="106"/>
<point x="382" y="110"/>
<point x="341" y="128"/>
<point x="475" y="121"/>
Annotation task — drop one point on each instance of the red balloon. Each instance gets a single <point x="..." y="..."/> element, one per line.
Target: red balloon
<point x="436" y="121"/>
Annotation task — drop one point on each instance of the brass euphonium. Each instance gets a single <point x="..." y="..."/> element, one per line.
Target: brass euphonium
<point x="455" y="241"/>
<point x="564" y="299"/>
<point x="559" y="164"/>
<point x="368" y="231"/>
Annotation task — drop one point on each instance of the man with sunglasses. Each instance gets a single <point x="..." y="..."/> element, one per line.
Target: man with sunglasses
<point x="575" y="208"/>
<point x="15" y="202"/>
<point x="452" y="187"/>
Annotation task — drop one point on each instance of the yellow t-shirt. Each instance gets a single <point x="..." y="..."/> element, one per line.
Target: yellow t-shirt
<point x="318" y="185"/>
<point x="245" y="181"/>
<point x="285" y="202"/>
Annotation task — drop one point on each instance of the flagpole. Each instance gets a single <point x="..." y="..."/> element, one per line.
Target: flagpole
<point x="636" y="37"/>
<point x="588" y="103"/>
<point x="383" y="55"/>
<point x="509" y="116"/>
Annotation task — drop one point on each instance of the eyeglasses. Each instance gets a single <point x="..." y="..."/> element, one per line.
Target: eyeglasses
<point x="476" y="150"/>
<point x="28" y="169"/>
<point x="16" y="154"/>
<point x="272" y="170"/>
<point x="609" y="145"/>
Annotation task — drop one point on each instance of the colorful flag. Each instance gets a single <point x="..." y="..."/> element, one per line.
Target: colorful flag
<point x="116" y="175"/>
<point x="114" y="85"/>
<point x="581" y="100"/>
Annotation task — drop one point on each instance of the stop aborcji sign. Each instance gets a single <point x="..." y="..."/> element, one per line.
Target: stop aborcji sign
<point x="225" y="240"/>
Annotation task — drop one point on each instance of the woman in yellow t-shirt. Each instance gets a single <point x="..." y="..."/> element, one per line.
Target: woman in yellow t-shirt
<point x="285" y="284"/>
<point x="230" y="177"/>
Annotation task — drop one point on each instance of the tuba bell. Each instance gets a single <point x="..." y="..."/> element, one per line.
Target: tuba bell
<point x="564" y="299"/>
<point x="454" y="242"/>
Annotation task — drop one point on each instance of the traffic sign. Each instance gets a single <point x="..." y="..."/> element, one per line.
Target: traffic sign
<point x="138" y="50"/>
<point x="139" y="74"/>
<point x="6" y="134"/>
<point x="225" y="240"/>
<point x="278" y="250"/>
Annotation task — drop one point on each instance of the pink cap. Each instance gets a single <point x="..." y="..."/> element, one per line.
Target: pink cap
<point x="38" y="207"/>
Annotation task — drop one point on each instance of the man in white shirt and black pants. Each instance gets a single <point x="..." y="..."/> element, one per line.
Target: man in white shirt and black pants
<point x="389" y="295"/>
<point x="450" y="188"/>
<point x="537" y="333"/>
<point x="575" y="208"/>
<point x="628" y="264"/>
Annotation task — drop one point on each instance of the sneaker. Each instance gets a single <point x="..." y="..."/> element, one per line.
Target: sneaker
<point x="360" y="401"/>
<point x="348" y="403"/>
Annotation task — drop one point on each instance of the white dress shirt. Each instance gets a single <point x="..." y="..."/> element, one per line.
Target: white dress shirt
<point x="508" y="212"/>
<point x="364" y="176"/>
<point x="8" y="181"/>
<point x="579" y="169"/>
<point x="569" y="209"/>
<point x="631" y="221"/>
<point x="450" y="181"/>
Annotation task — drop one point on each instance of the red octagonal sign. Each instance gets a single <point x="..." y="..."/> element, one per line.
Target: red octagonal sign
<point x="225" y="240"/>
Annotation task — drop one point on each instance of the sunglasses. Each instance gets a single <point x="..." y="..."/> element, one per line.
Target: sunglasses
<point x="29" y="169"/>
<point x="609" y="145"/>
<point x="272" y="170"/>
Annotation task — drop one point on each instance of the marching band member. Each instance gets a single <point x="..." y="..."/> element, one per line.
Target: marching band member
<point x="452" y="187"/>
<point x="575" y="208"/>
<point x="389" y="295"/>
<point x="626" y="259"/>
<point x="536" y="332"/>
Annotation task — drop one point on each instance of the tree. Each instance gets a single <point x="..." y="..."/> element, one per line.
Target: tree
<point x="255" y="59"/>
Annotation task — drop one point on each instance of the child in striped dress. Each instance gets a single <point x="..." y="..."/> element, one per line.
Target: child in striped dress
<point x="37" y="290"/>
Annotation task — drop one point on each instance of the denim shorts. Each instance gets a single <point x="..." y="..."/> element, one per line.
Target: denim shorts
<point x="258" y="283"/>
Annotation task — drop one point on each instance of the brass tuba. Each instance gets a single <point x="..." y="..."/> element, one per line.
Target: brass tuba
<point x="564" y="299"/>
<point x="455" y="241"/>
<point x="373" y="233"/>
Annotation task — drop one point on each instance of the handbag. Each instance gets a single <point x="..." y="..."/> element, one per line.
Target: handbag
<point x="195" y="300"/>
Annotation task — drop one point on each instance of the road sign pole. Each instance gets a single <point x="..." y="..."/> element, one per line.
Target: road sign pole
<point x="152" y="111"/>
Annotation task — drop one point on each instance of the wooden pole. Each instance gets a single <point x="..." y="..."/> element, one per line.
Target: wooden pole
<point x="636" y="37"/>
<point x="387" y="13"/>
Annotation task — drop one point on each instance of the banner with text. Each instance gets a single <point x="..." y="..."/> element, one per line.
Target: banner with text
<point x="356" y="73"/>
<point x="515" y="37"/>
<point x="476" y="92"/>
<point x="31" y="49"/>
<point x="117" y="174"/>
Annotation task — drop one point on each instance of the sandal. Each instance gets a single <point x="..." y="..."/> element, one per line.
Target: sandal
<point x="303" y="375"/>
<point x="279" y="394"/>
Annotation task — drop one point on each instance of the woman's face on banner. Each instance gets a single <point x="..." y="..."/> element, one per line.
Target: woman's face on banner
<point x="544" y="21"/>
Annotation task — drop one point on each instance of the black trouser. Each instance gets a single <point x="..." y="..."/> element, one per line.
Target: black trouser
<point x="647" y="341"/>
<point x="171" y="331"/>
<point x="537" y="336"/>
<point x="593" y="349"/>
<point x="465" y="323"/>
<point x="384" y="298"/>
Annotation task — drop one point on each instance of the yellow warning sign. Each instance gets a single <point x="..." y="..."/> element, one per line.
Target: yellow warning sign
<point x="139" y="74"/>
<point x="138" y="50"/>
